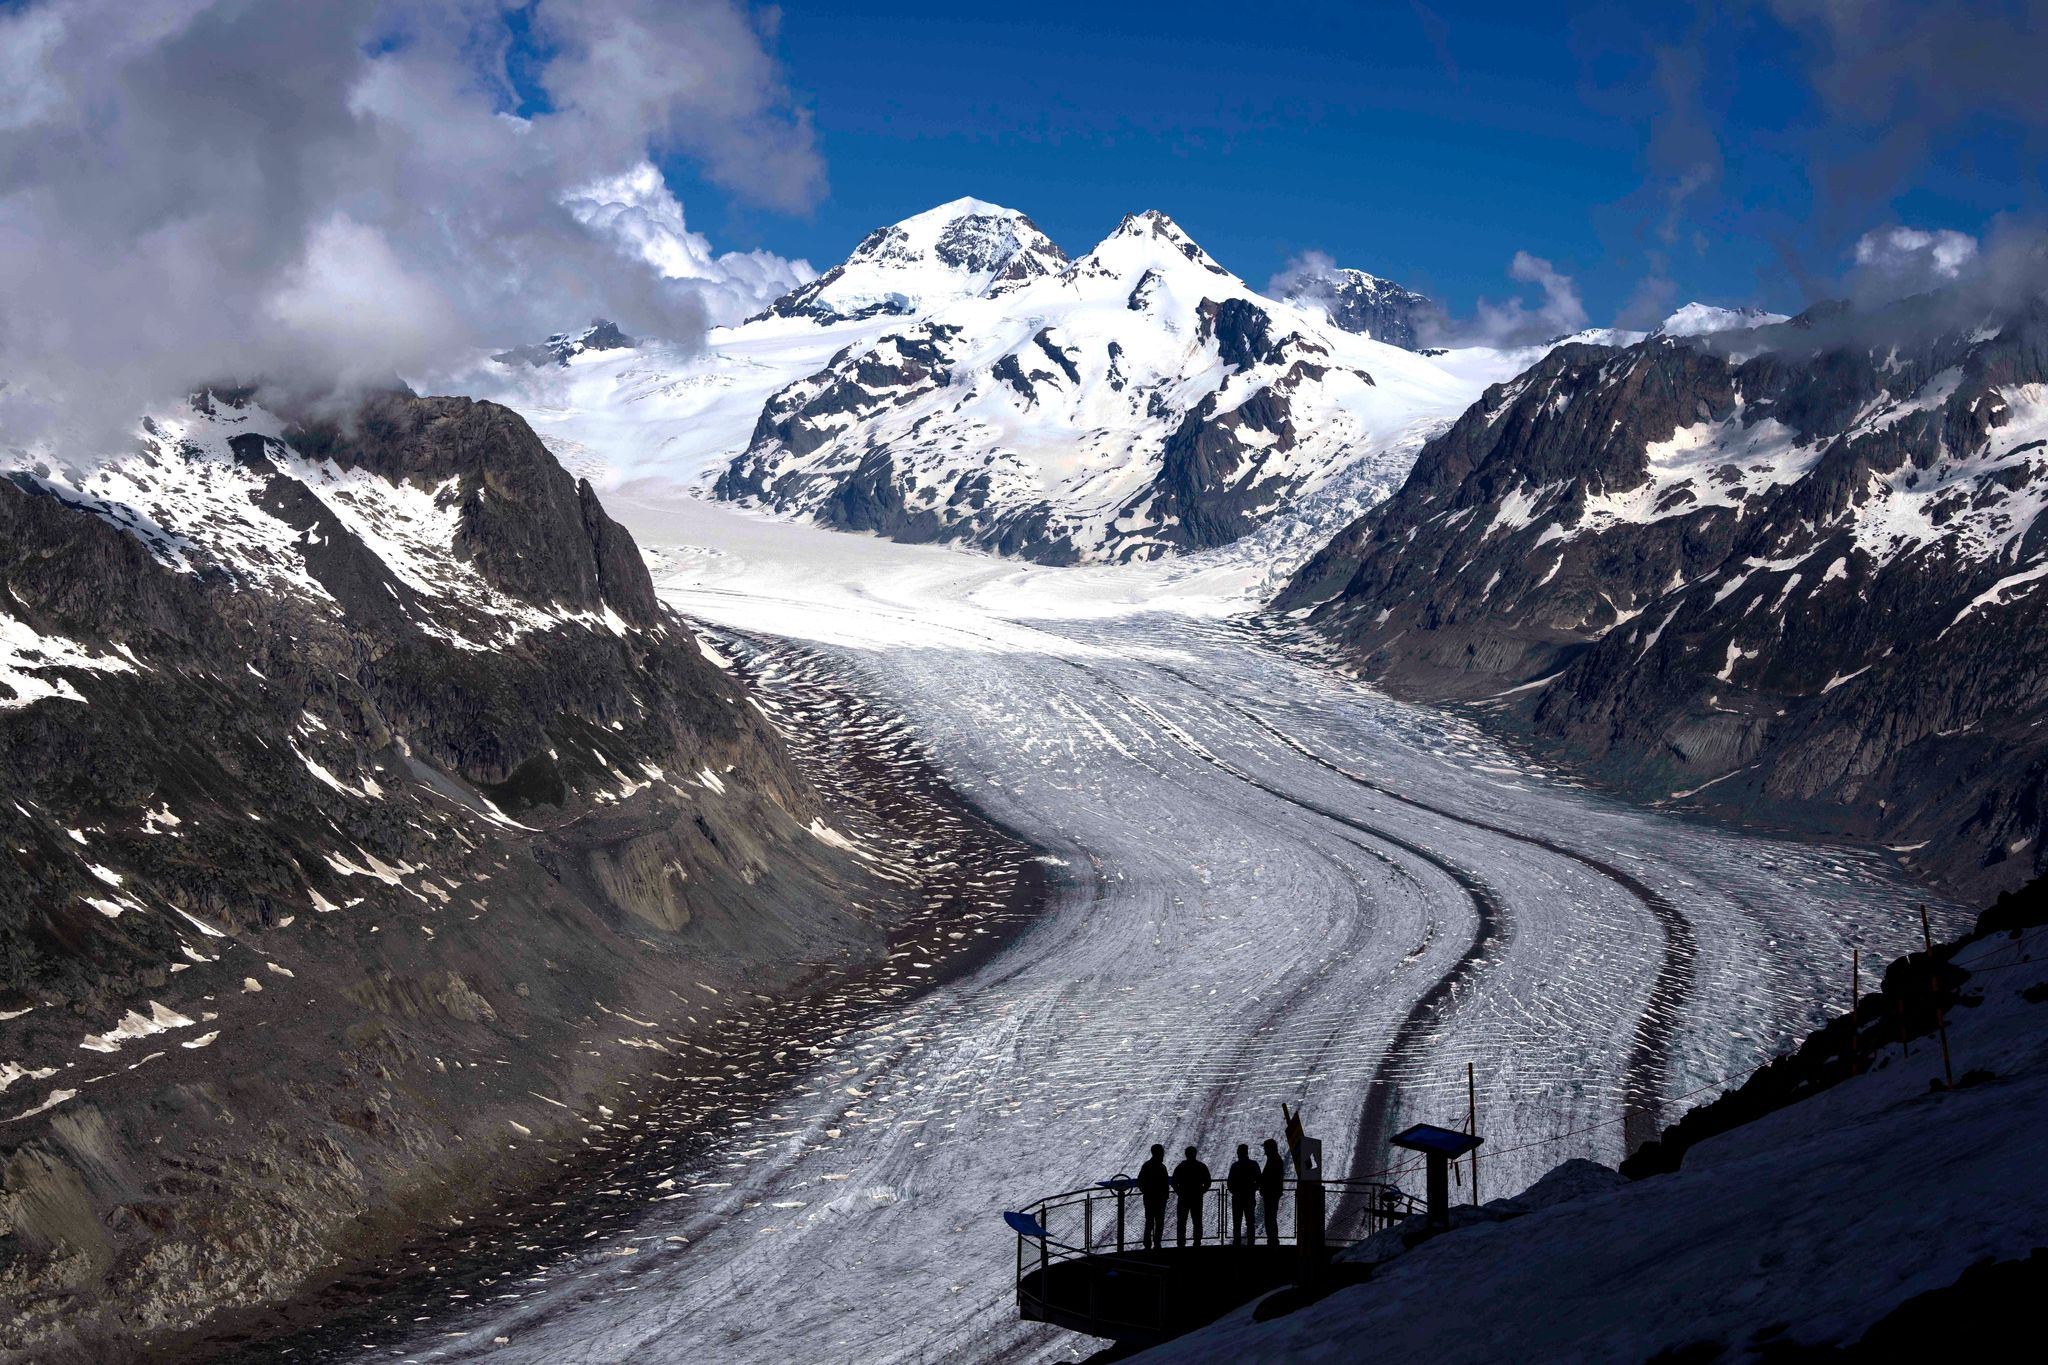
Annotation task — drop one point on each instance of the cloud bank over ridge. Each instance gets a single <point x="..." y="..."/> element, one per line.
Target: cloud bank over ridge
<point x="337" y="193"/>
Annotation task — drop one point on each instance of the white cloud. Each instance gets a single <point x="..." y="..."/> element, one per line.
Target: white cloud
<point x="343" y="298"/>
<point x="199" y="189"/>
<point x="696" y="76"/>
<point x="1914" y="259"/>
<point x="638" y="212"/>
<point x="1307" y="275"/>
<point x="1516" y="322"/>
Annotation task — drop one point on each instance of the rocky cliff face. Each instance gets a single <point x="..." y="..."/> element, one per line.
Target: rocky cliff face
<point x="1133" y="403"/>
<point x="362" y="816"/>
<point x="1790" y="573"/>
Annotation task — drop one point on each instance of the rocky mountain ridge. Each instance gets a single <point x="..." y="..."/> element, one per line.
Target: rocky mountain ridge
<point x="1788" y="573"/>
<point x="366" y="817"/>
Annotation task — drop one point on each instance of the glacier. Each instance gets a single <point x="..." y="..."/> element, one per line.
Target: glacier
<point x="1268" y="883"/>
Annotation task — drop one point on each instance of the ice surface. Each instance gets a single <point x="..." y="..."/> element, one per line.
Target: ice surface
<point x="1261" y="868"/>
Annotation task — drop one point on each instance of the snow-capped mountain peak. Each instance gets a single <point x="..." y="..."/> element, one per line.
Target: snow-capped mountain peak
<point x="562" y="347"/>
<point x="966" y="248"/>
<point x="958" y="378"/>
<point x="933" y="222"/>
<point x="1700" y="319"/>
<point x="1142" y="401"/>
<point x="1146" y="241"/>
<point x="1354" y="300"/>
<point x="1363" y="282"/>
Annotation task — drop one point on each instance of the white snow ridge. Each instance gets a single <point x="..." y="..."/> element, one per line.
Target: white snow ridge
<point x="1701" y="319"/>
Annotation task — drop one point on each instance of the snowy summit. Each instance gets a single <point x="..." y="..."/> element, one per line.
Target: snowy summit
<point x="1702" y="319"/>
<point x="966" y="248"/>
<point x="1134" y="402"/>
<point x="1356" y="301"/>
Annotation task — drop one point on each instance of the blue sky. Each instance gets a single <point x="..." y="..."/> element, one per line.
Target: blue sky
<point x="1655" y="153"/>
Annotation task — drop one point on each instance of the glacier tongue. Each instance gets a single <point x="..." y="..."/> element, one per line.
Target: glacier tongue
<point x="1238" y="921"/>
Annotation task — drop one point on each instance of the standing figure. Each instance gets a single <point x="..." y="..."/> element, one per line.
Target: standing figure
<point x="1272" y="1180"/>
<point x="1153" y="1184"/>
<point x="1191" y="1182"/>
<point x="1243" y="1180"/>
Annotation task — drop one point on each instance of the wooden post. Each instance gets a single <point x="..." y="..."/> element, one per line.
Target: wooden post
<point x="1855" y="989"/>
<point x="1472" y="1126"/>
<point x="1934" y="989"/>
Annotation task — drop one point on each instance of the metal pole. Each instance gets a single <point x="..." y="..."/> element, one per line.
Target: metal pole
<point x="1087" y="1222"/>
<point x="1934" y="988"/>
<point x="1855" y="989"/>
<point x="1472" y="1127"/>
<point x="1119" y="1220"/>
<point x="1309" y="1216"/>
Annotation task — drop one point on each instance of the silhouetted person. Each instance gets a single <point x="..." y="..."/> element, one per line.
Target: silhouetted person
<point x="1153" y="1184"/>
<point x="1243" y="1180"/>
<point x="1272" y="1180"/>
<point x="1191" y="1182"/>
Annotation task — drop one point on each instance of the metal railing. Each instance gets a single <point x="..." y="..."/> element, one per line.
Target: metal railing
<point x="1105" y="1226"/>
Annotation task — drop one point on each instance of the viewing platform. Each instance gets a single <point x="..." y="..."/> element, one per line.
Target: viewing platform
<point x="1081" y="1263"/>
